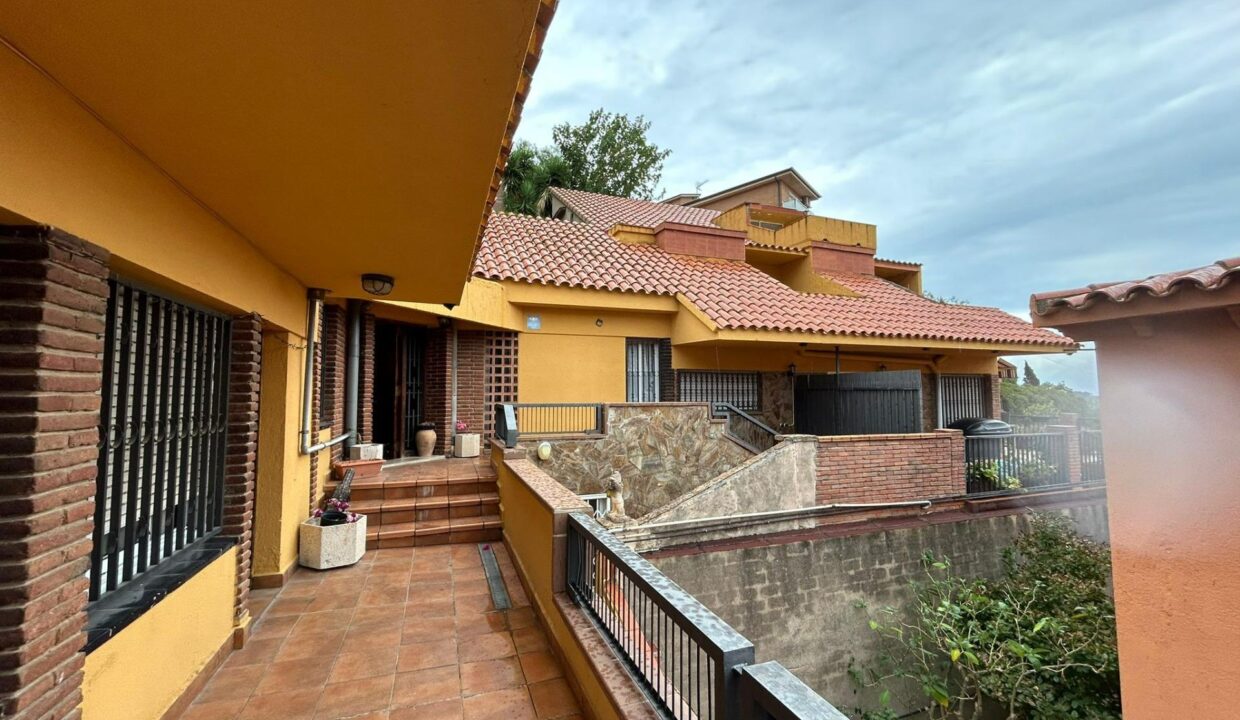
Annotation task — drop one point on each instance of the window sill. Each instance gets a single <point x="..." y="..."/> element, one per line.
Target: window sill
<point x="107" y="616"/>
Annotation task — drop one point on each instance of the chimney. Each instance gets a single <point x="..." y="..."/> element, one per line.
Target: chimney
<point x="707" y="242"/>
<point x="829" y="257"/>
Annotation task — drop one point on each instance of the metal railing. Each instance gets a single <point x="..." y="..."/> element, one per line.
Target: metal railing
<point x="516" y="420"/>
<point x="769" y="692"/>
<point x="744" y="428"/>
<point x="1092" y="467"/>
<point x="1020" y="461"/>
<point x="684" y="655"/>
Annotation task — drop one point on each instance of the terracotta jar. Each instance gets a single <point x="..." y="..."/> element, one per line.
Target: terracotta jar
<point x="424" y="440"/>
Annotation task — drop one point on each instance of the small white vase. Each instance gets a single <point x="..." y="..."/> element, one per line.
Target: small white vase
<point x="333" y="546"/>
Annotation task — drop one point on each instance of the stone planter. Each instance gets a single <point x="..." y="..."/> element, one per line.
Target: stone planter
<point x="424" y="442"/>
<point x="467" y="445"/>
<point x="323" y="548"/>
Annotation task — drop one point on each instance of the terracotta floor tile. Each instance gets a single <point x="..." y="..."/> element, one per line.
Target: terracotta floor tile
<point x="486" y="647"/>
<point x="383" y="595"/>
<point x="425" y="686"/>
<point x="355" y="697"/>
<point x="365" y="662"/>
<point x="427" y="629"/>
<point x="538" y="666"/>
<point x="294" y="674"/>
<point x="490" y="675"/>
<point x="420" y="656"/>
<point x="470" y="625"/>
<point x="500" y="705"/>
<point x="291" y="705"/>
<point x="304" y="645"/>
<point x="474" y="604"/>
<point x="429" y="607"/>
<point x="553" y="699"/>
<point x="470" y="587"/>
<point x="217" y="710"/>
<point x="231" y="684"/>
<point x="333" y="601"/>
<point x="257" y="651"/>
<point x="443" y="710"/>
<point x="322" y="622"/>
<point x="273" y="627"/>
<point x="287" y="606"/>
<point x="379" y="613"/>
<point x="374" y="634"/>
<point x="520" y="617"/>
<point x="424" y="577"/>
<point x="529" y="639"/>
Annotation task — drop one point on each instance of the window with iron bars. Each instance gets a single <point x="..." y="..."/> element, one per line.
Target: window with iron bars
<point x="642" y="370"/>
<point x="162" y="425"/>
<point x="742" y="390"/>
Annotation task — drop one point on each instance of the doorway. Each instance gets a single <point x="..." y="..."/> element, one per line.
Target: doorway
<point x="400" y="354"/>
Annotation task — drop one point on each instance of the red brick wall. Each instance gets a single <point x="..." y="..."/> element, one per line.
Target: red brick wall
<point x="335" y="332"/>
<point x="470" y="379"/>
<point x="366" y="399"/>
<point x="240" y="461"/>
<point x="436" y="386"/>
<point x="890" y="468"/>
<point x="316" y="382"/>
<point x="53" y="296"/>
<point x="700" y="241"/>
<point x="996" y="400"/>
<point x="829" y="257"/>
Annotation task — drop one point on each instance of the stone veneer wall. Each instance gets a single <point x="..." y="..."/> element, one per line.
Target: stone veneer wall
<point x="797" y="599"/>
<point x="777" y="402"/>
<point x="661" y="450"/>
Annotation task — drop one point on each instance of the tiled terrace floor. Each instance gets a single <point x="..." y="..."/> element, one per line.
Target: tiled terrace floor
<point x="407" y="633"/>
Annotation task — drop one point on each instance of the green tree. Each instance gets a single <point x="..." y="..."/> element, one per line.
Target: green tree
<point x="1049" y="399"/>
<point x="1039" y="642"/>
<point x="528" y="174"/>
<point x="610" y="153"/>
<point x="1031" y="378"/>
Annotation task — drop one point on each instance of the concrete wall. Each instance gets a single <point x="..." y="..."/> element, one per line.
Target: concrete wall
<point x="797" y="601"/>
<point x="1170" y="413"/>
<point x="661" y="450"/>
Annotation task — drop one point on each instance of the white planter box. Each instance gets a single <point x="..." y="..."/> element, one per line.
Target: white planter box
<point x="332" y="546"/>
<point x="468" y="444"/>
<point x="366" y="451"/>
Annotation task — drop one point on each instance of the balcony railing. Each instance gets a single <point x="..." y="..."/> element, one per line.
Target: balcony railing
<point x="1092" y="467"/>
<point x="516" y="420"/>
<point x="1020" y="461"/>
<point x="744" y="428"/>
<point x="687" y="659"/>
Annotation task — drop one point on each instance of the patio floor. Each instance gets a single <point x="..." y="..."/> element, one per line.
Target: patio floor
<point x="406" y="633"/>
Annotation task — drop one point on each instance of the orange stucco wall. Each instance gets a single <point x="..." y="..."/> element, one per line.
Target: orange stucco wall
<point x="1170" y="414"/>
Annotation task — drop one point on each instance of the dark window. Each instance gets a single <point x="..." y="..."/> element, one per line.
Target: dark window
<point x="964" y="396"/>
<point x="742" y="390"/>
<point x="162" y="428"/>
<point x="642" y="370"/>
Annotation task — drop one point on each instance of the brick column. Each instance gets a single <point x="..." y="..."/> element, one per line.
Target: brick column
<point x="334" y="346"/>
<point x="996" y="397"/>
<point x="53" y="299"/>
<point x="471" y="379"/>
<point x="1069" y="427"/>
<point x="241" y="458"/>
<point x="437" y="386"/>
<point x="366" y="396"/>
<point x="316" y="382"/>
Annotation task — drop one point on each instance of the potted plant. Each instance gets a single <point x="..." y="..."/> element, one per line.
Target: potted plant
<point x="332" y="537"/>
<point x="424" y="439"/>
<point x="466" y="444"/>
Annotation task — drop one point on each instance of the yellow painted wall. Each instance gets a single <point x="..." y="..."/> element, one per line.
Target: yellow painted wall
<point x="111" y="196"/>
<point x="141" y="672"/>
<point x="777" y="357"/>
<point x="282" y="497"/>
<point x="570" y="368"/>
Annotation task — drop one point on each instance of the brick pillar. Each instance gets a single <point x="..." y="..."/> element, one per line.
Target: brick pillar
<point x="1069" y="427"/>
<point x="996" y="397"/>
<point x="334" y="346"/>
<point x="53" y="299"/>
<point x="437" y="386"/>
<point x="241" y="458"/>
<point x="366" y="396"/>
<point x="316" y="383"/>
<point x="470" y="379"/>
<point x="929" y="401"/>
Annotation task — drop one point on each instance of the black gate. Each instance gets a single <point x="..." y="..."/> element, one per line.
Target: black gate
<point x="859" y="403"/>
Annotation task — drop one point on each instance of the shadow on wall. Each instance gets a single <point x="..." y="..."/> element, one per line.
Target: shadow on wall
<point x="661" y="451"/>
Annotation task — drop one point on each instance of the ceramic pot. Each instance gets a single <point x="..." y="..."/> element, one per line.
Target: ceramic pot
<point x="424" y="442"/>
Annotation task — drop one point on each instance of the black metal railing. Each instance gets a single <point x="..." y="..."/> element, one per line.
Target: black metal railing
<point x="739" y="389"/>
<point x="162" y="423"/>
<point x="1015" y="462"/>
<point x="516" y="420"/>
<point x="684" y="655"/>
<point x="768" y="691"/>
<point x="1092" y="467"/>
<point x="745" y="429"/>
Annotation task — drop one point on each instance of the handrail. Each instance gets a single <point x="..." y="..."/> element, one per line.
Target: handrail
<point x="768" y="691"/>
<point x="760" y="437"/>
<point x="685" y="654"/>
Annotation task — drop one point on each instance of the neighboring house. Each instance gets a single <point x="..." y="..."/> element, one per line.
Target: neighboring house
<point x="179" y="187"/>
<point x="1168" y="352"/>
<point x="783" y="189"/>
<point x="1007" y="370"/>
<point x="637" y="301"/>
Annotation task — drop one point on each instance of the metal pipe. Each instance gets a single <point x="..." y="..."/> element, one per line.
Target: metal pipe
<point x="352" y="365"/>
<point x="454" y="367"/>
<point x="314" y="305"/>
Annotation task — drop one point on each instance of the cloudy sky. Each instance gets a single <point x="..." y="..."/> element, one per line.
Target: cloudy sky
<point x="1011" y="147"/>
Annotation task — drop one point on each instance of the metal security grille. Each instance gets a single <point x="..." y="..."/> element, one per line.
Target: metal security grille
<point x="742" y="390"/>
<point x="499" y="377"/>
<point x="642" y="370"/>
<point x="964" y="396"/>
<point x="162" y="428"/>
<point x="859" y="403"/>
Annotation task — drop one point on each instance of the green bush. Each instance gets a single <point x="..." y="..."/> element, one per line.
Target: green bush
<point x="1038" y="643"/>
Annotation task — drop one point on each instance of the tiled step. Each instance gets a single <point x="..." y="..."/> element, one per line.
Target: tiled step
<point x="436" y="532"/>
<point x="382" y="513"/>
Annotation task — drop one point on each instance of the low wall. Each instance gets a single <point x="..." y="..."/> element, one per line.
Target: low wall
<point x="797" y="597"/>
<point x="662" y="451"/>
<point x="890" y="468"/>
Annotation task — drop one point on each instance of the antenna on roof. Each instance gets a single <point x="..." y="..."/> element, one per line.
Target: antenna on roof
<point x="698" y="187"/>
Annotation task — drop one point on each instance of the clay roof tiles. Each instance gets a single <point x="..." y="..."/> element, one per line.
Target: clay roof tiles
<point x="606" y="210"/>
<point x="1211" y="277"/>
<point x="733" y="294"/>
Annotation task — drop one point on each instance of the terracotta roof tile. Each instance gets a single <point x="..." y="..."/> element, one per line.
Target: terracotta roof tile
<point x="1208" y="278"/>
<point x="733" y="294"/>
<point x="606" y="210"/>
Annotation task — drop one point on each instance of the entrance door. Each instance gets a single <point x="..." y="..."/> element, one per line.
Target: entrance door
<point x="399" y="354"/>
<point x="859" y="403"/>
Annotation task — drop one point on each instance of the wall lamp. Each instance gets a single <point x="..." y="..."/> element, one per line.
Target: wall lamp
<point x="377" y="284"/>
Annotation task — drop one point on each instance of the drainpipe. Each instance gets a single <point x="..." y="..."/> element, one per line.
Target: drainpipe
<point x="314" y="306"/>
<point x="352" y="371"/>
<point x="454" y="366"/>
